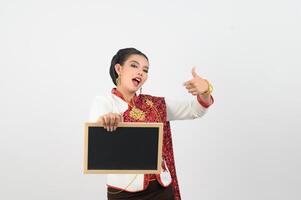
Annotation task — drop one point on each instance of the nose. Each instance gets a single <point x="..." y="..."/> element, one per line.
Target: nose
<point x="140" y="72"/>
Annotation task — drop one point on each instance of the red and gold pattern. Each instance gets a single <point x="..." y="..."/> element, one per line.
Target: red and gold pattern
<point x="148" y="108"/>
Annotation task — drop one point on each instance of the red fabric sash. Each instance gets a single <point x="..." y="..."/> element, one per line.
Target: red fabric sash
<point x="148" y="108"/>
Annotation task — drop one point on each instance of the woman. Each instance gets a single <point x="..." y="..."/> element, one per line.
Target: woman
<point x="129" y="71"/>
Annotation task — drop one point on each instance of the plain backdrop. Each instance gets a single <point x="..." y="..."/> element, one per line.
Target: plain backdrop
<point x="55" y="57"/>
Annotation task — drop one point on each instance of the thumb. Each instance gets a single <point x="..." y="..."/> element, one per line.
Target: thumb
<point x="193" y="72"/>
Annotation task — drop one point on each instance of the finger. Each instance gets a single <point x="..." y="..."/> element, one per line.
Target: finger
<point x="105" y="121"/>
<point x="193" y="72"/>
<point x="188" y="83"/>
<point x="112" y="122"/>
<point x="108" y="122"/>
<point x="121" y="117"/>
<point x="192" y="90"/>
<point x="194" y="93"/>
<point x="190" y="86"/>
<point x="117" y="119"/>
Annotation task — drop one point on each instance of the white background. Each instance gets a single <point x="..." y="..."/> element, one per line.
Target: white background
<point x="55" y="57"/>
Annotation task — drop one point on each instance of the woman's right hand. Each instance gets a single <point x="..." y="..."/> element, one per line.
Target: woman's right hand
<point x="110" y="121"/>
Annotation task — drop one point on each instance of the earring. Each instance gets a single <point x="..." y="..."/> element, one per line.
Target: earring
<point x="118" y="80"/>
<point x="141" y="90"/>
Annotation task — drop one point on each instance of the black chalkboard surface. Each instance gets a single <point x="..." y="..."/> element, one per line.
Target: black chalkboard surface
<point x="134" y="148"/>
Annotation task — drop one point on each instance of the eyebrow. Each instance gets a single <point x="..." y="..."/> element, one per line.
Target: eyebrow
<point x="138" y="63"/>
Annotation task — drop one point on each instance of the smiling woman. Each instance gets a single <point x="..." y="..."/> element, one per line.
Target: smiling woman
<point x="129" y="68"/>
<point x="129" y="71"/>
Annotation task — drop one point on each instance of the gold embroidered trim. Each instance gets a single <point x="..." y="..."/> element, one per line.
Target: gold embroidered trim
<point x="149" y="103"/>
<point x="137" y="114"/>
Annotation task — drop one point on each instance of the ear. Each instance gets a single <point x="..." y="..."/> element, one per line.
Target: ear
<point x="118" y="68"/>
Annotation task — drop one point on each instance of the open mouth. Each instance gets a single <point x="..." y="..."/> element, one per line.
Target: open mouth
<point x="136" y="81"/>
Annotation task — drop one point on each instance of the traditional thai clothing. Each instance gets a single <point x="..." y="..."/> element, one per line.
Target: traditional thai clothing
<point x="154" y="191"/>
<point x="146" y="108"/>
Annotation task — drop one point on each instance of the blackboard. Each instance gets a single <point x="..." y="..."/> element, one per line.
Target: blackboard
<point x="134" y="148"/>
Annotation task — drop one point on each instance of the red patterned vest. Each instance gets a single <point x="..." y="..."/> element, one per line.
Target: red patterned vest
<point x="148" y="108"/>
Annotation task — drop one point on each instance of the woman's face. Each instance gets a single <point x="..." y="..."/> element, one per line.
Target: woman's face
<point x="133" y="73"/>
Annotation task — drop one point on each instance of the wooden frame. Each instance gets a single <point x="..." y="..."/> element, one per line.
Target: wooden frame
<point x="124" y="171"/>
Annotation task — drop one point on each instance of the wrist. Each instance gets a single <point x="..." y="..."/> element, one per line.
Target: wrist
<point x="209" y="89"/>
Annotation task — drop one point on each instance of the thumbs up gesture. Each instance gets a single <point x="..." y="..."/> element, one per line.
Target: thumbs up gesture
<point x="197" y="85"/>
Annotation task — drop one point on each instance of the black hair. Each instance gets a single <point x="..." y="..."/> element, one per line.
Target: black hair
<point x="120" y="57"/>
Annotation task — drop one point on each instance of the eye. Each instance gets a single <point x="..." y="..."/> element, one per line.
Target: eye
<point x="145" y="70"/>
<point x="133" y="65"/>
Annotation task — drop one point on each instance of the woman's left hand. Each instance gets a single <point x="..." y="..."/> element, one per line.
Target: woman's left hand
<point x="197" y="85"/>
